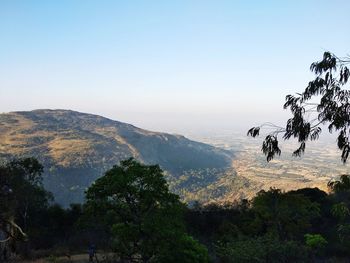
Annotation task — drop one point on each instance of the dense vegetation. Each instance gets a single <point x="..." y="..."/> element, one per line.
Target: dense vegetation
<point x="131" y="216"/>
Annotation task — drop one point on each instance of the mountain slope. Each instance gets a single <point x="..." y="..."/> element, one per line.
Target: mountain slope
<point x="76" y="148"/>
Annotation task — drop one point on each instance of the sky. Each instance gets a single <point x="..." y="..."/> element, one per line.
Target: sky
<point x="174" y="66"/>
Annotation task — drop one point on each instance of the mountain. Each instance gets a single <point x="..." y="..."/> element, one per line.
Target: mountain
<point x="76" y="148"/>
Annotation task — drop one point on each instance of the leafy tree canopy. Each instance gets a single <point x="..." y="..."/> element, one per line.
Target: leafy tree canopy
<point x="261" y="249"/>
<point x="343" y="184"/>
<point x="22" y="195"/>
<point x="145" y="218"/>
<point x="324" y="102"/>
<point x="315" y="242"/>
<point x="286" y="214"/>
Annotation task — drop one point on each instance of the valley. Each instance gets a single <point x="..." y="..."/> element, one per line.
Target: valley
<point x="77" y="148"/>
<point x="320" y="164"/>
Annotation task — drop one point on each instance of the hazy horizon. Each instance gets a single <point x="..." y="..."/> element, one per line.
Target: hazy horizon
<point x="181" y="66"/>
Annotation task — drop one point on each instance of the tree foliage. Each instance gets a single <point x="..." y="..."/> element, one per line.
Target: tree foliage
<point x="145" y="218"/>
<point x="21" y="189"/>
<point x="22" y="198"/>
<point x="30" y="195"/>
<point x="287" y="215"/>
<point x="343" y="184"/>
<point x="324" y="102"/>
<point x="131" y="210"/>
<point x="262" y="249"/>
<point x="315" y="241"/>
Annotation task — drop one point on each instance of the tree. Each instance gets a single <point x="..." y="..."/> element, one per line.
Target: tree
<point x="261" y="249"/>
<point x="287" y="215"/>
<point x="21" y="197"/>
<point x="31" y="197"/>
<point x="315" y="242"/>
<point x="9" y="230"/>
<point x="145" y="219"/>
<point x="340" y="211"/>
<point x="340" y="190"/>
<point x="325" y="101"/>
<point x="343" y="184"/>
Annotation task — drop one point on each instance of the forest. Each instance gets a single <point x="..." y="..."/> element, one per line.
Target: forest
<point x="129" y="215"/>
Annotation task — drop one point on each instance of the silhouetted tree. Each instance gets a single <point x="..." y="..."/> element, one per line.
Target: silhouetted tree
<point x="325" y="101"/>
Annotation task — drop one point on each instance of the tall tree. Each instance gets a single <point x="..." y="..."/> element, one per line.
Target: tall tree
<point x="145" y="219"/>
<point x="31" y="197"/>
<point x="325" y="101"/>
<point x="288" y="215"/>
<point x="21" y="197"/>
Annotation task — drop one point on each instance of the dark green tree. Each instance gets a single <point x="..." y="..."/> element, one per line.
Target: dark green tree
<point x="343" y="184"/>
<point x="316" y="243"/>
<point x="30" y="195"/>
<point x="340" y="194"/>
<point x="286" y="215"/>
<point x="261" y="249"/>
<point x="324" y="102"/>
<point x="22" y="198"/>
<point x="8" y="224"/>
<point x="145" y="219"/>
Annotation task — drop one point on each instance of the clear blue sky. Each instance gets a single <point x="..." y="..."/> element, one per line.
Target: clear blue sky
<point x="165" y="65"/>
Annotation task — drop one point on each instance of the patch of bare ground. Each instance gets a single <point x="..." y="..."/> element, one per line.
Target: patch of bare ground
<point x="79" y="258"/>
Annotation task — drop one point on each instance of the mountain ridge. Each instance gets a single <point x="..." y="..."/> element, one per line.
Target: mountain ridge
<point x="76" y="148"/>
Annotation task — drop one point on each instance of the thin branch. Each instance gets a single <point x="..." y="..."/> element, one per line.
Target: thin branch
<point x="270" y="124"/>
<point x="5" y="240"/>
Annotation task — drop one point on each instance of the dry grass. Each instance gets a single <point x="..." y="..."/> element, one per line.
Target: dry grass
<point x="61" y="150"/>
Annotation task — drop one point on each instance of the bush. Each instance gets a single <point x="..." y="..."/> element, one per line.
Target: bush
<point x="184" y="250"/>
<point x="261" y="249"/>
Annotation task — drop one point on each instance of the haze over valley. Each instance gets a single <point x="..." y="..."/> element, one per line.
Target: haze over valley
<point x="77" y="148"/>
<point x="320" y="163"/>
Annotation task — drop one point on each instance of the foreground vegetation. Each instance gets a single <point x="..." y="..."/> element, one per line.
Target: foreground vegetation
<point x="130" y="216"/>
